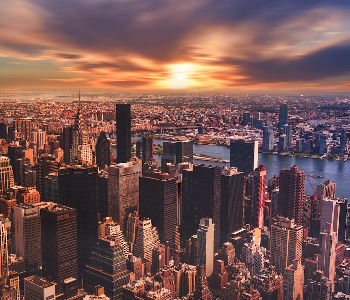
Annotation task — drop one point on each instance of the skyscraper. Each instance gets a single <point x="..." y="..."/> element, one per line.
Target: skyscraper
<point x="293" y="281"/>
<point x="326" y="261"/>
<point x="283" y="117"/>
<point x="66" y="142"/>
<point x="147" y="148"/>
<point x="23" y="126"/>
<point x="27" y="235"/>
<point x="244" y="155"/>
<point x="258" y="196"/>
<point x="291" y="193"/>
<point x="268" y="138"/>
<point x="39" y="138"/>
<point x="81" y="149"/>
<point x="286" y="243"/>
<point x="201" y="198"/>
<point x="177" y="152"/>
<point x="232" y="203"/>
<point x="59" y="245"/>
<point x="330" y="216"/>
<point x="6" y="174"/>
<point x="158" y="196"/>
<point x="78" y="189"/>
<point x="205" y="245"/>
<point x="287" y="130"/>
<point x="103" y="151"/>
<point x="123" y="132"/>
<point x="107" y="267"/>
<point x="123" y="190"/>
<point x="46" y="164"/>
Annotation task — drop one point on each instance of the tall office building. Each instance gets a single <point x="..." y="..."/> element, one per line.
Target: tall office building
<point x="23" y="126"/>
<point x="146" y="239"/>
<point x="286" y="243"/>
<point x="6" y="174"/>
<point x="268" y="138"/>
<point x="51" y="188"/>
<point x="123" y="133"/>
<point x="59" y="246"/>
<point x="4" y="249"/>
<point x="232" y="203"/>
<point x="3" y="131"/>
<point x="78" y="189"/>
<point x="177" y="152"/>
<point x="287" y="130"/>
<point x="343" y="204"/>
<point x="201" y="198"/>
<point x="326" y="190"/>
<point x="123" y="190"/>
<point x="205" y="245"/>
<point x="283" y="117"/>
<point x="131" y="229"/>
<point x="291" y="193"/>
<point x="46" y="164"/>
<point x="102" y="190"/>
<point x="26" y="238"/>
<point x="107" y="268"/>
<point x="103" y="151"/>
<point x="330" y="216"/>
<point x="258" y="196"/>
<point x="39" y="138"/>
<point x="293" y="281"/>
<point x="80" y="151"/>
<point x="147" y="148"/>
<point x="244" y="155"/>
<point x="66" y="142"/>
<point x="326" y="260"/>
<point x="158" y="197"/>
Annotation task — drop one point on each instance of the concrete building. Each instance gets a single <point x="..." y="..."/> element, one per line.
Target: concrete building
<point x="293" y="281"/>
<point x="123" y="190"/>
<point x="205" y="245"/>
<point x="326" y="261"/>
<point x="258" y="179"/>
<point x="330" y="216"/>
<point x="37" y="288"/>
<point x="286" y="243"/>
<point x="6" y="174"/>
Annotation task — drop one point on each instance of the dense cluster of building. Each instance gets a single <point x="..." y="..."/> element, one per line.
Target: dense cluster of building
<point x="78" y="223"/>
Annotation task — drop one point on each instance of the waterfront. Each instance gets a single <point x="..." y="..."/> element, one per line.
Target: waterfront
<point x="337" y="171"/>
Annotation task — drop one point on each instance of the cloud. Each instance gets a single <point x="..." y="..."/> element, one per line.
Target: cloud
<point x="134" y="43"/>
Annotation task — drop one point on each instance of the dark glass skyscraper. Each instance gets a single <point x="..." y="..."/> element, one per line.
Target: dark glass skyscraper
<point x="103" y="151"/>
<point x="244" y="155"/>
<point x="78" y="189"/>
<point x="283" y="117"/>
<point x="123" y="133"/>
<point x="59" y="246"/>
<point x="158" y="194"/>
<point x="201" y="198"/>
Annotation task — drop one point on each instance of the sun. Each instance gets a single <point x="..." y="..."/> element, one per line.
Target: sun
<point x="180" y="76"/>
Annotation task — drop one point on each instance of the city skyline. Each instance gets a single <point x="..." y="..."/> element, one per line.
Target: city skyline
<point x="162" y="45"/>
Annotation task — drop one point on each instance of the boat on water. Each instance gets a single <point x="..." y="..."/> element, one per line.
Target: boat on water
<point x="314" y="176"/>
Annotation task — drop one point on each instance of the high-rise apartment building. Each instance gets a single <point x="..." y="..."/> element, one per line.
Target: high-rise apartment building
<point x="80" y="151"/>
<point x="291" y="194"/>
<point x="232" y="203"/>
<point x="158" y="196"/>
<point x="103" y="151"/>
<point x="123" y="133"/>
<point x="123" y="190"/>
<point x="26" y="238"/>
<point x="205" y="245"/>
<point x="286" y="243"/>
<point x="201" y="198"/>
<point x="293" y="281"/>
<point x="6" y="174"/>
<point x="268" y="138"/>
<point x="59" y="245"/>
<point x="283" y="116"/>
<point x="107" y="268"/>
<point x="244" y="155"/>
<point x="258" y="196"/>
<point x="78" y="189"/>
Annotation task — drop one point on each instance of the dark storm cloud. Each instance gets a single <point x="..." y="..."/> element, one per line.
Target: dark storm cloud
<point x="326" y="63"/>
<point x="67" y="56"/>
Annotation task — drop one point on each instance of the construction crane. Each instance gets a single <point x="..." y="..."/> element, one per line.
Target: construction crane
<point x="311" y="184"/>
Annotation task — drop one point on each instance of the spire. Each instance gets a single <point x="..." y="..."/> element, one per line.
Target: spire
<point x="79" y="98"/>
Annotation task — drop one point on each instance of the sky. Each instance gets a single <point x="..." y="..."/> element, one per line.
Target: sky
<point x="247" y="45"/>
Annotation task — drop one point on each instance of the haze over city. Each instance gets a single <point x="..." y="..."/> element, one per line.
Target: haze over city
<point x="170" y="45"/>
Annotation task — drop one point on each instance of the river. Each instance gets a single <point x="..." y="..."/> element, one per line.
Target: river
<point x="337" y="171"/>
